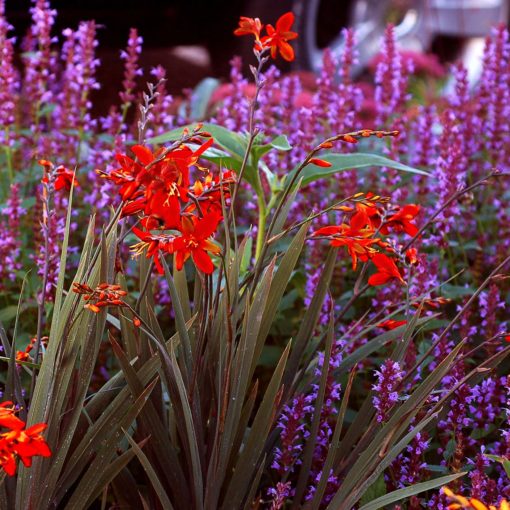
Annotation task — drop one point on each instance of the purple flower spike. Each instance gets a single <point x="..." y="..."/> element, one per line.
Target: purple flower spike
<point x="388" y="379"/>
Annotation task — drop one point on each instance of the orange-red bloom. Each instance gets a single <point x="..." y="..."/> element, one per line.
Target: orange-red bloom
<point x="401" y="221"/>
<point x="277" y="37"/>
<point x="19" y="442"/>
<point x="356" y="237"/>
<point x="60" y="177"/>
<point x="8" y="418"/>
<point x="412" y="256"/>
<point x="386" y="270"/>
<point x="195" y="242"/>
<point x="320" y="162"/>
<point x="152" y="244"/>
<point x="25" y="355"/>
<point x="104" y="294"/>
<point x="154" y="183"/>
<point x="249" y="26"/>
<point x="390" y="324"/>
<point x="468" y="503"/>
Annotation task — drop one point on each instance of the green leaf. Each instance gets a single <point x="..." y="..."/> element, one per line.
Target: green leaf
<point x="8" y="313"/>
<point x="342" y="162"/>
<point x="96" y="477"/>
<point x="279" y="284"/>
<point x="249" y="459"/>
<point x="151" y="473"/>
<point x="280" y="143"/>
<point x="376" y="490"/>
<point x="231" y="142"/>
<point x="392" y="497"/>
<point x="502" y="460"/>
<point x="201" y="97"/>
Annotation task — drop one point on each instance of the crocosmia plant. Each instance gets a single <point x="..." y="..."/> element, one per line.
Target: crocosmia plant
<point x="275" y="296"/>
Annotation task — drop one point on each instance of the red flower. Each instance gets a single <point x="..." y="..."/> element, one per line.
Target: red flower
<point x="401" y="221"/>
<point x="25" y="444"/>
<point x="412" y="256"/>
<point x="209" y="191"/>
<point x="356" y="237"/>
<point x="30" y="443"/>
<point x="60" y="177"/>
<point x="18" y="441"/>
<point x="320" y="162"/>
<point x="104" y="294"/>
<point x="277" y="38"/>
<point x="249" y="26"/>
<point x="390" y="324"/>
<point x="153" y="244"/>
<point x="64" y="178"/>
<point x="155" y="182"/>
<point x="386" y="270"/>
<point x="195" y="242"/>
<point x="7" y="458"/>
<point x="7" y="417"/>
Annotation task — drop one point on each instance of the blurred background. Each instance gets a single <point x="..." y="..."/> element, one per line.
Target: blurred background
<point x="193" y="39"/>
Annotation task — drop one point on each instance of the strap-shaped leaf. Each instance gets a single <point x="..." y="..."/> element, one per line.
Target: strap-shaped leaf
<point x="151" y="473"/>
<point x="90" y="483"/>
<point x="343" y="162"/>
<point x="407" y="492"/>
<point x="310" y="319"/>
<point x="250" y="456"/>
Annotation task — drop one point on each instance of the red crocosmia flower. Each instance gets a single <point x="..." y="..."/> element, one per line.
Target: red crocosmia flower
<point x="249" y="26"/>
<point x="30" y="443"/>
<point x="373" y="213"/>
<point x="7" y="417"/>
<point x="412" y="256"/>
<point x="64" y="178"/>
<point x="19" y="442"/>
<point x="153" y="244"/>
<point x="277" y="37"/>
<point x="507" y="338"/>
<point x="26" y="443"/>
<point x="386" y="270"/>
<point x="7" y="458"/>
<point x="356" y="237"/>
<point x="165" y="208"/>
<point x="401" y="221"/>
<point x="208" y="191"/>
<point x="320" y="162"/>
<point x="390" y="324"/>
<point x="195" y="242"/>
<point x="433" y="303"/>
<point x="60" y="177"/>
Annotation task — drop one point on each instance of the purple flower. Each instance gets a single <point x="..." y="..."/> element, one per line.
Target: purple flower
<point x="388" y="380"/>
<point x="10" y="237"/>
<point x="9" y="76"/>
<point x="292" y="423"/>
<point x="131" y="70"/>
<point x="391" y="79"/>
<point x="279" y="495"/>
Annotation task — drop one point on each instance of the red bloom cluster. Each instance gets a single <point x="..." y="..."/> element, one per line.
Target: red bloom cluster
<point x="19" y="442"/>
<point x="103" y="295"/>
<point x="156" y="187"/>
<point x="360" y="235"/>
<point x="59" y="177"/>
<point x="25" y="355"/>
<point x="276" y="40"/>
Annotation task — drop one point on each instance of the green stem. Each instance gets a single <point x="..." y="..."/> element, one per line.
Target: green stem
<point x="8" y="156"/>
<point x="261" y="231"/>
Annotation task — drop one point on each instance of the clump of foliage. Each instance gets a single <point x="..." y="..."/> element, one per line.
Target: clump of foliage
<point x="240" y="359"/>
